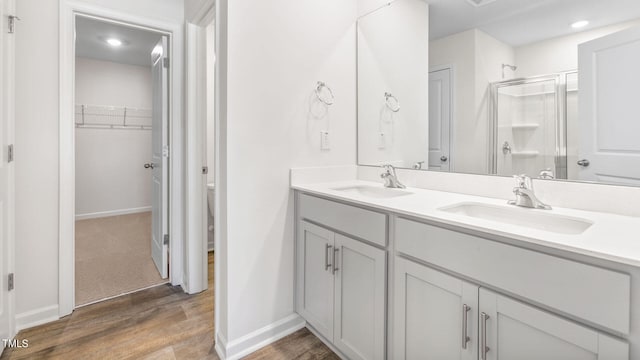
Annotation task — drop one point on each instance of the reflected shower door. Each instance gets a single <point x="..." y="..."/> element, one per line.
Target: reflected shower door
<point x="527" y="127"/>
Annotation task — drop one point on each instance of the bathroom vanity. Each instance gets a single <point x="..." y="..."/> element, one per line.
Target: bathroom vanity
<point x="414" y="274"/>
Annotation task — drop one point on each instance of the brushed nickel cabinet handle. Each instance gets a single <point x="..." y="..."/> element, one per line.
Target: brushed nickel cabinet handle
<point x="327" y="265"/>
<point x="335" y="260"/>
<point x="484" y="349"/>
<point x="465" y="314"/>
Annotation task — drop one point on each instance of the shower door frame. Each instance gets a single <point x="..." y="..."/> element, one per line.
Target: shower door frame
<point x="560" y="156"/>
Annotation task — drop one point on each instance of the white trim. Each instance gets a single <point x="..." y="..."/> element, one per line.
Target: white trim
<point x="102" y="214"/>
<point x="121" y="294"/>
<point x="196" y="272"/>
<point x="221" y="323"/>
<point x="8" y="102"/>
<point x="36" y="317"/>
<point x="204" y="15"/>
<point x="174" y="30"/>
<point x="260" y="338"/>
<point x="221" y="346"/>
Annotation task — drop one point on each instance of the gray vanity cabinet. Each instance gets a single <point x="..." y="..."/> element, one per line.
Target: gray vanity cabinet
<point x="315" y="277"/>
<point x="341" y="290"/>
<point x="438" y="316"/>
<point x="435" y="314"/>
<point x="518" y="331"/>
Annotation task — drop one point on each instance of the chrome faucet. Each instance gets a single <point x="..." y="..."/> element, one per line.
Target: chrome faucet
<point x="546" y="174"/>
<point x="525" y="195"/>
<point x="390" y="177"/>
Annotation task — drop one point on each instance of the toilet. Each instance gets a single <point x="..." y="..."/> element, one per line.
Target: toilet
<point x="210" y="197"/>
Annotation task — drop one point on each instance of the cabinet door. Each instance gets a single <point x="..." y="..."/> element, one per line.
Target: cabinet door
<point x="517" y="331"/>
<point x="315" y="277"/>
<point x="435" y="314"/>
<point x="359" y="330"/>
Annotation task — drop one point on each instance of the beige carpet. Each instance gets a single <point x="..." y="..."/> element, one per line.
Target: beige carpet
<point x="113" y="256"/>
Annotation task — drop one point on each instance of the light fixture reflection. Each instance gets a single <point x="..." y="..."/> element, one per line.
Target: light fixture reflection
<point x="114" y="42"/>
<point x="579" y="24"/>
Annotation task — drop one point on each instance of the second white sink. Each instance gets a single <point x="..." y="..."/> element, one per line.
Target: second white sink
<point x="528" y="218"/>
<point x="373" y="191"/>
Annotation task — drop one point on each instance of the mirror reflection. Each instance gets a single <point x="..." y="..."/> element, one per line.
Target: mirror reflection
<point x="537" y="87"/>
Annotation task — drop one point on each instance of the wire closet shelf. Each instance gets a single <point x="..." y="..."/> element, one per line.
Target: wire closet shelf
<point x="112" y="117"/>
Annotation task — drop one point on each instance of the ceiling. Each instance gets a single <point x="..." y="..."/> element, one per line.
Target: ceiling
<point x="521" y="22"/>
<point x="137" y="44"/>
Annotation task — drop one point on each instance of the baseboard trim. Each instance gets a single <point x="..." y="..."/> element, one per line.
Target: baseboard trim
<point x="258" y="339"/>
<point x="37" y="317"/>
<point x="102" y="214"/>
<point x="221" y="346"/>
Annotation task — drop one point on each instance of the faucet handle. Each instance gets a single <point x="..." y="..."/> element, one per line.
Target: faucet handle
<point x="523" y="181"/>
<point x="389" y="169"/>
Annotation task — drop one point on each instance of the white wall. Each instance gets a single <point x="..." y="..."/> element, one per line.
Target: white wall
<point x="490" y="55"/>
<point x="277" y="50"/>
<point x="477" y="60"/>
<point x="37" y="151"/>
<point x="36" y="166"/>
<point x="458" y="50"/>
<point x="393" y="56"/>
<point x="109" y="83"/>
<point x="110" y="177"/>
<point x="561" y="53"/>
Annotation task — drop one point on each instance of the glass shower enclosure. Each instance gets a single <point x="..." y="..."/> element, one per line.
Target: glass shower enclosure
<point x="528" y="123"/>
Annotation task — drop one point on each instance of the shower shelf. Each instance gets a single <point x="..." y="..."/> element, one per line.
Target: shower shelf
<point x="527" y="153"/>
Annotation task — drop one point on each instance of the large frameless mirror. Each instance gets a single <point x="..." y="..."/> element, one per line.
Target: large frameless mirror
<point x="544" y="88"/>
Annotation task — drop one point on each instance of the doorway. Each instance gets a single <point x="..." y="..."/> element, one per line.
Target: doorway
<point x="121" y="159"/>
<point x="440" y="119"/>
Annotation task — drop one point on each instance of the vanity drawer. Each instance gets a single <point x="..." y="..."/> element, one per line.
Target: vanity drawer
<point x="591" y="293"/>
<point x="365" y="224"/>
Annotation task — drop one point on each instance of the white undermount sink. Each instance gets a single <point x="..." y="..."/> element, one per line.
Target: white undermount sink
<point x="529" y="218"/>
<point x="373" y="191"/>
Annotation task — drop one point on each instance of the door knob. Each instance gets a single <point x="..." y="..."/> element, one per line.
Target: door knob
<point x="583" y="162"/>
<point x="149" y="166"/>
<point x="444" y="158"/>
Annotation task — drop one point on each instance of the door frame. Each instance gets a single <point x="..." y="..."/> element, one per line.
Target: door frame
<point x="173" y="30"/>
<point x="196" y="247"/>
<point x="452" y="112"/>
<point x="8" y="115"/>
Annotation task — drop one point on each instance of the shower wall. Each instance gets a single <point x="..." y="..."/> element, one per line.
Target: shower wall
<point x="526" y="128"/>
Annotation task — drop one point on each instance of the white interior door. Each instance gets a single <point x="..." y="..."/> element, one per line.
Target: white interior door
<point x="607" y="108"/>
<point x="160" y="161"/>
<point x="440" y="120"/>
<point x="6" y="173"/>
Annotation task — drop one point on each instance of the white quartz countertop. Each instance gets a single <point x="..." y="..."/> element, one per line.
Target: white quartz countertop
<point x="611" y="237"/>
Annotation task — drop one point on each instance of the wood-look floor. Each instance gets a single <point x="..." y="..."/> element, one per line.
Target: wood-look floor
<point x="158" y="323"/>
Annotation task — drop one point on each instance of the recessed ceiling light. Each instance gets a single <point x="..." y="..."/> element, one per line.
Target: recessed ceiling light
<point x="579" y="24"/>
<point x="114" y="42"/>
